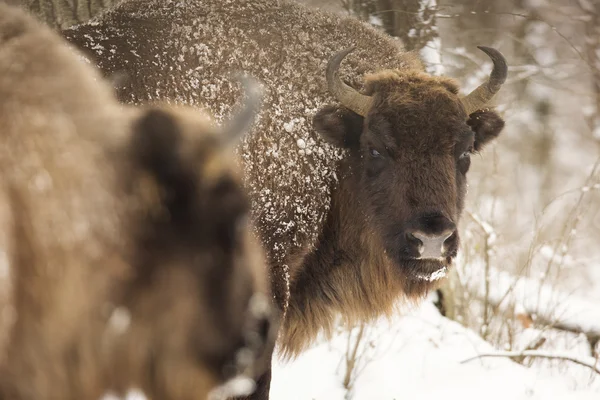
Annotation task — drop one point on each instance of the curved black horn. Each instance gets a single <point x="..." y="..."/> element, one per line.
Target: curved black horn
<point x="241" y="122"/>
<point x="350" y="98"/>
<point x="479" y="97"/>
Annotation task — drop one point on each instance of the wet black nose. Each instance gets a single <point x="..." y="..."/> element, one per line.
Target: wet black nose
<point x="432" y="236"/>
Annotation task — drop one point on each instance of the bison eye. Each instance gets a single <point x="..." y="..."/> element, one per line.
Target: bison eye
<point x="374" y="153"/>
<point x="466" y="153"/>
<point x="464" y="162"/>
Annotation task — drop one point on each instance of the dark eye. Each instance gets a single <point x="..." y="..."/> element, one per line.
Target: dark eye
<point x="466" y="153"/>
<point x="374" y="153"/>
<point x="464" y="162"/>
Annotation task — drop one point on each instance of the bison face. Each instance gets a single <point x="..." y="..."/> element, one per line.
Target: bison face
<point x="199" y="297"/>
<point x="410" y="140"/>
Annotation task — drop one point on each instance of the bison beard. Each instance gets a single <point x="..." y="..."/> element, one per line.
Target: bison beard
<point x="111" y="210"/>
<point x="343" y="197"/>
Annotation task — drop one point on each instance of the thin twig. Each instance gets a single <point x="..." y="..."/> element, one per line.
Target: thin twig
<point x="572" y="222"/>
<point x="538" y="354"/>
<point x="512" y="14"/>
<point x="351" y="357"/>
<point x="488" y="240"/>
<point x="534" y="345"/>
<point x="539" y="19"/>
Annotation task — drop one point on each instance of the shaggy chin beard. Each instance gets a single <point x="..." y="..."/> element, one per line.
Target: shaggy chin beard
<point x="428" y="269"/>
<point x="423" y="275"/>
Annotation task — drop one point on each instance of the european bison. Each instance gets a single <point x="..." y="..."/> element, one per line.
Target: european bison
<point x="358" y="208"/>
<point x="124" y="232"/>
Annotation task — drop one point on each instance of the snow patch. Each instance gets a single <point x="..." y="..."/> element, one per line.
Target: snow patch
<point x="120" y="320"/>
<point x="238" y="386"/>
<point x="434" y="276"/>
<point x="416" y="355"/>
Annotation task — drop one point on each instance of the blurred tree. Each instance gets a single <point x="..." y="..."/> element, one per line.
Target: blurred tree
<point x="591" y="16"/>
<point x="412" y="21"/>
<point x="65" y="13"/>
<point x="527" y="49"/>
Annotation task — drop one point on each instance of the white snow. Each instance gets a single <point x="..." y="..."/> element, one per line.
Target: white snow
<point x="134" y="394"/>
<point x="120" y="320"/>
<point x="259" y="305"/>
<point x="375" y="20"/>
<point x="418" y="355"/>
<point x="288" y="126"/>
<point x="537" y="298"/>
<point x="415" y="356"/>
<point x="194" y="35"/>
<point x="439" y="274"/>
<point x="238" y="386"/>
<point x="431" y="55"/>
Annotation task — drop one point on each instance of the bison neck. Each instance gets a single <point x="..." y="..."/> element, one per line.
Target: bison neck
<point x="346" y="276"/>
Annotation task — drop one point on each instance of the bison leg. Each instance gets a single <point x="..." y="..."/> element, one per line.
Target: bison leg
<point x="263" y="385"/>
<point x="281" y="293"/>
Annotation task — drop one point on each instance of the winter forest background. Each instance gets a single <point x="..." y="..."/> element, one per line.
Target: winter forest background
<point x="527" y="283"/>
<point x="528" y="280"/>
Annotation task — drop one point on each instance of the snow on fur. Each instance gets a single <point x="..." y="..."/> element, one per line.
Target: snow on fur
<point x="289" y="169"/>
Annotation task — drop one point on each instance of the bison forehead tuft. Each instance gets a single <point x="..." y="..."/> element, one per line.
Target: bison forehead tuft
<point x="420" y="112"/>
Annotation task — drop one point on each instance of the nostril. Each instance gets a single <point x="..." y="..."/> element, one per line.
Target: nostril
<point x="415" y="244"/>
<point x="433" y="245"/>
<point x="411" y="238"/>
<point x="450" y="237"/>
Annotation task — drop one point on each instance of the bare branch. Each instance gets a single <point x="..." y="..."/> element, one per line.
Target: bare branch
<point x="534" y="345"/>
<point x="539" y="19"/>
<point x="351" y="356"/>
<point x="538" y="354"/>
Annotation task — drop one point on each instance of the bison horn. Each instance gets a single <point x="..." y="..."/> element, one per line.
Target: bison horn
<point x="242" y="121"/>
<point x="483" y="94"/>
<point x="349" y="97"/>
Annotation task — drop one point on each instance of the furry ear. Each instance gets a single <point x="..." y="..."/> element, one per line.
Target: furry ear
<point x="487" y="125"/>
<point x="216" y="205"/>
<point x="339" y="126"/>
<point x="155" y="143"/>
<point x="156" y="149"/>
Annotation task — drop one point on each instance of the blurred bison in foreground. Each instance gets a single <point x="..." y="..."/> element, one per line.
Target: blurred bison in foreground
<point x="357" y="209"/>
<point x="124" y="235"/>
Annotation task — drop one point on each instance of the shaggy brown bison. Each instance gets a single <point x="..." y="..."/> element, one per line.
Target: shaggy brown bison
<point x="358" y="208"/>
<point x="123" y="233"/>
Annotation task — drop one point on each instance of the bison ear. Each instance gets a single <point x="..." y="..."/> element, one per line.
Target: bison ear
<point x="339" y="126"/>
<point x="155" y="145"/>
<point x="487" y="125"/>
<point x="156" y="149"/>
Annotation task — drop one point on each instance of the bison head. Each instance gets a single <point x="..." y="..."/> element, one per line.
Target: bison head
<point x="199" y="297"/>
<point x="410" y="138"/>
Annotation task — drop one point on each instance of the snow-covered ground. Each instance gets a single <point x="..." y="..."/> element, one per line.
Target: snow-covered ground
<point x="419" y="355"/>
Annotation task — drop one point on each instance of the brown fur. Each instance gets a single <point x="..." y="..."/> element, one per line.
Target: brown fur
<point x="332" y="220"/>
<point x="110" y="213"/>
<point x="359" y="275"/>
